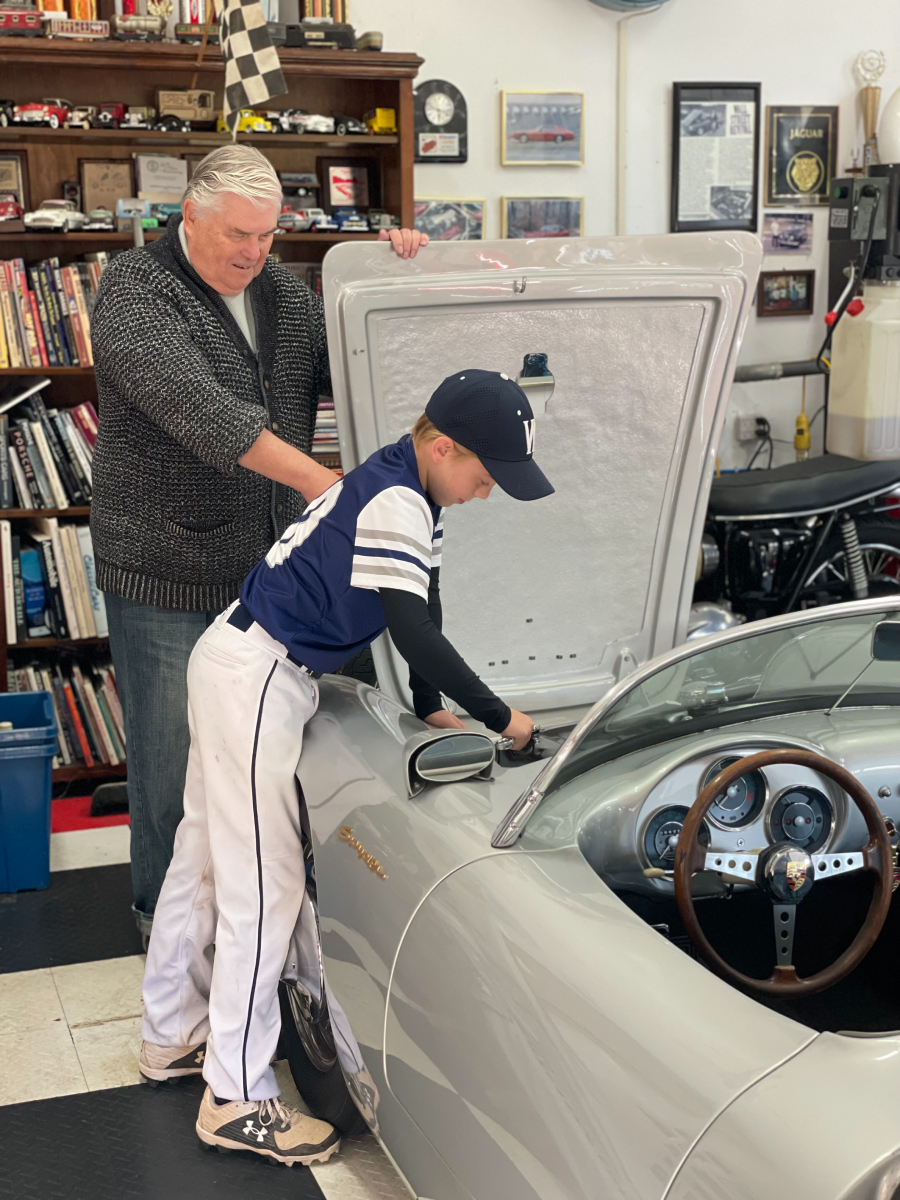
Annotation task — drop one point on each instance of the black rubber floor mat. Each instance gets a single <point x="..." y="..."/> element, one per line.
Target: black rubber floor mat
<point x="131" y="1143"/>
<point x="82" y="916"/>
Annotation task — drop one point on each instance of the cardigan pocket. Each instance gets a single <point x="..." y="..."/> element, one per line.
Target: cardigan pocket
<point x="212" y="531"/>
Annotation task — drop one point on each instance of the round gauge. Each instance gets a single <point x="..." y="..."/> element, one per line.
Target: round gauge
<point x="439" y="108"/>
<point x="802" y="816"/>
<point x="743" y="799"/>
<point x="662" y="833"/>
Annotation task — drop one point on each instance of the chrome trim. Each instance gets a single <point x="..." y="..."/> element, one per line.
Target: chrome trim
<point x="740" y="866"/>
<point x="837" y="864"/>
<point x="515" y="820"/>
<point x="799" y="787"/>
<point x="814" y="512"/>
<point x="749" y="820"/>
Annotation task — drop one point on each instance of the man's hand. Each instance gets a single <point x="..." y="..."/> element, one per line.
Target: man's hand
<point x="520" y="729"/>
<point x="442" y="719"/>
<point x="406" y="242"/>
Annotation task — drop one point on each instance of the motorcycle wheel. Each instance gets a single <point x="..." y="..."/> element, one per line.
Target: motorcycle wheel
<point x="308" y="1046"/>
<point x="879" y="542"/>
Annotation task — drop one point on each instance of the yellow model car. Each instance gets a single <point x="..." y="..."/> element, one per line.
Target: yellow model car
<point x="248" y="122"/>
<point x="382" y="120"/>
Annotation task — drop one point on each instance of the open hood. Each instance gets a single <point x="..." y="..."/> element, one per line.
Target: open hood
<point x="553" y="601"/>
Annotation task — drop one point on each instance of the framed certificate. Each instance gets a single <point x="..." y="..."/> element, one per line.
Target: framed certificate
<point x="801" y="150"/>
<point x="715" y="156"/>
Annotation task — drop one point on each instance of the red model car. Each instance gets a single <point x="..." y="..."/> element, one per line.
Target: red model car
<point x="10" y="209"/>
<point x="111" y="114"/>
<point x="26" y="22"/>
<point x="546" y="133"/>
<point x="51" y="111"/>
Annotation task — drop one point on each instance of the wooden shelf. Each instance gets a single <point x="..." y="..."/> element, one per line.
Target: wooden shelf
<point x="150" y="235"/>
<point x="66" y="774"/>
<point x="74" y="510"/>
<point x="45" y="643"/>
<point x="197" y="137"/>
<point x="77" y="372"/>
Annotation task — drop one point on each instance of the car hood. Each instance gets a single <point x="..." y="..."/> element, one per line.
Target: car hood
<point x="551" y="602"/>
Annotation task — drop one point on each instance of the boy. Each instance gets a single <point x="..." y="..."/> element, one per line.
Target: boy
<point x="364" y="556"/>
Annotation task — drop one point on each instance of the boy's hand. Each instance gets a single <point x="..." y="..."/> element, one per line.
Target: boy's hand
<point x="442" y="719"/>
<point x="520" y="729"/>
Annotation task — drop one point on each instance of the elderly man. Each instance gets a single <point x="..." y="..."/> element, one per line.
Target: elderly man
<point x="210" y="358"/>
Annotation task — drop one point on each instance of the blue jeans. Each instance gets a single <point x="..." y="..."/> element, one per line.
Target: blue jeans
<point x="150" y="651"/>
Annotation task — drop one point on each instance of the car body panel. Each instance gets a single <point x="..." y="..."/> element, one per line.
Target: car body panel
<point x="617" y="588"/>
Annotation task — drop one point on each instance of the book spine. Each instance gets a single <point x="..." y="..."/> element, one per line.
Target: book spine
<point x="9" y="320"/>
<point x="103" y="705"/>
<point x="31" y="342"/>
<point x="83" y="487"/>
<point x="64" y="311"/>
<point x="83" y="316"/>
<point x="34" y="276"/>
<point x="65" y="587"/>
<point x="21" y="487"/>
<point x="56" y="607"/>
<point x="112" y="695"/>
<point x="86" y="719"/>
<point x="38" y="330"/>
<point x="21" y="448"/>
<point x="52" y="322"/>
<point x="17" y="308"/>
<point x="95" y="596"/>
<point x="98" y="725"/>
<point x="79" y="727"/>
<point x="64" y="718"/>
<point x="60" y="458"/>
<point x="60" y="499"/>
<point x="55" y="312"/>
<point x="4" y="351"/>
<point x="79" y="446"/>
<point x="6" y="483"/>
<point x="44" y="489"/>
<point x="75" y="563"/>
<point x="18" y="589"/>
<point x="9" y="598"/>
<point x="82" y="417"/>
<point x="61" y="733"/>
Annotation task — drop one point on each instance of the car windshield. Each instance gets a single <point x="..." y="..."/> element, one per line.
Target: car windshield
<point x="787" y="670"/>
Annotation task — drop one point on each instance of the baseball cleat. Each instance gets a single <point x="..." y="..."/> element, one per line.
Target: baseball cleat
<point x="268" y="1127"/>
<point x="159" y="1064"/>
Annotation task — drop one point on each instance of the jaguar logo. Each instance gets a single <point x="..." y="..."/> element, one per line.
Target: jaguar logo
<point x="796" y="875"/>
<point x="805" y="171"/>
<point x="345" y="833"/>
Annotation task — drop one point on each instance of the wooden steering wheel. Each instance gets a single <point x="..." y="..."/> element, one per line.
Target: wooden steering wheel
<point x="786" y="873"/>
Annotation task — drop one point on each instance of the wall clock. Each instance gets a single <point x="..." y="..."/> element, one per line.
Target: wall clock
<point x="441" y="122"/>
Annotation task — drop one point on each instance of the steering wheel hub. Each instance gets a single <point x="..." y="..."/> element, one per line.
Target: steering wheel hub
<point x="786" y="873"/>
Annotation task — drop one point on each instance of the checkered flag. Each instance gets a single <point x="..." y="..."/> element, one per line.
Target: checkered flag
<point x="252" y="69"/>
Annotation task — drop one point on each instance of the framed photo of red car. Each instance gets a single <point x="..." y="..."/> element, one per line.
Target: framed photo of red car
<point x="715" y="156"/>
<point x="14" y="177"/>
<point x="542" y="216"/>
<point x="542" y="129"/>
<point x="786" y="294"/>
<point x="348" y="183"/>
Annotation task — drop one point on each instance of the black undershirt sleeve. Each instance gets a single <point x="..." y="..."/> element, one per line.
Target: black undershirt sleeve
<point x="434" y="665"/>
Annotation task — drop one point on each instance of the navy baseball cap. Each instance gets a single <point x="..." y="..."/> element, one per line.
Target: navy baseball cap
<point x="489" y="414"/>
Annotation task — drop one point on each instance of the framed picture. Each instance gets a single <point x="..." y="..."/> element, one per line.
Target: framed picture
<point x="788" y="233"/>
<point x="14" y="176"/>
<point x="786" y="293"/>
<point x="542" y="129"/>
<point x="715" y="156"/>
<point x="446" y="220"/>
<point x="801" y="152"/>
<point x="542" y="216"/>
<point x="105" y="181"/>
<point x="348" y="183"/>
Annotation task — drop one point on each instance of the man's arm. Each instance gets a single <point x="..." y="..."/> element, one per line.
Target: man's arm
<point x="275" y="459"/>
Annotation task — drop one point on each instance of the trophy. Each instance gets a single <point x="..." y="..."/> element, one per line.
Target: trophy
<point x="868" y="69"/>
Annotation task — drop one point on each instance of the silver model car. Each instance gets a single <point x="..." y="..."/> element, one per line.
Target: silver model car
<point x="653" y="956"/>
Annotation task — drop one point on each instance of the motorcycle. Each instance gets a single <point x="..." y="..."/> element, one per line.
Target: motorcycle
<point x="800" y="536"/>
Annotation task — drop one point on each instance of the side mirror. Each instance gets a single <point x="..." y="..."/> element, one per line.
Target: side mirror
<point x="886" y="641"/>
<point x="447" y="759"/>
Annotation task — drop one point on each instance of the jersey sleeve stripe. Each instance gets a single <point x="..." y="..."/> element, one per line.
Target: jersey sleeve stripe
<point x="372" y="575"/>
<point x="364" y="562"/>
<point x="377" y="537"/>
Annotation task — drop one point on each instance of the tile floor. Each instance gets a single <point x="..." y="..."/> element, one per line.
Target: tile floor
<point x="76" y="1028"/>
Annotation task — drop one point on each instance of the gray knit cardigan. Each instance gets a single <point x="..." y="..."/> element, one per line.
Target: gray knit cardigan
<point x="176" y="523"/>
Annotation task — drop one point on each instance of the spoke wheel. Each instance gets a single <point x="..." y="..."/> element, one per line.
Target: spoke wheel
<point x="880" y="546"/>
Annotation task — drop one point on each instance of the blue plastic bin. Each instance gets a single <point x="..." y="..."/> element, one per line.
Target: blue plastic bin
<point x="26" y="753"/>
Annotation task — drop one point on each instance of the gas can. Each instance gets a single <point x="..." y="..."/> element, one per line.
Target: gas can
<point x="864" y="397"/>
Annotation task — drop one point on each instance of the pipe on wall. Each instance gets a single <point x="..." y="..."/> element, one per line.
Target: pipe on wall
<point x="622" y="114"/>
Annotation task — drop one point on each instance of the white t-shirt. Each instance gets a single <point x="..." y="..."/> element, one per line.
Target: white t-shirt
<point x="239" y="306"/>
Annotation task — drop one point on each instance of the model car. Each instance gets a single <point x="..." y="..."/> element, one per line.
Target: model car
<point x="577" y="970"/>
<point x="379" y="219"/>
<point x="83" y="116"/>
<point x="24" y="21"/>
<point x="162" y="212"/>
<point x="7" y="108"/>
<point x="139" y="118"/>
<point x="345" y="125"/>
<point x="381" y="120"/>
<point x="325" y="224"/>
<point x="194" y="105"/>
<point x="314" y="123"/>
<point x="249" y="121"/>
<point x="111" y="114"/>
<point x="545" y="133"/>
<point x="279" y="119"/>
<point x="10" y="209"/>
<point x="99" y="220"/>
<point x="138" y="27"/>
<point x="55" y="214"/>
<point x="348" y="220"/>
<point x="172" y="124"/>
<point x="306" y="218"/>
<point x="53" y="112"/>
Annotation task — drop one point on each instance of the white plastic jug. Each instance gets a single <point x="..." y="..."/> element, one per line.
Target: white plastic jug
<point x="864" y="400"/>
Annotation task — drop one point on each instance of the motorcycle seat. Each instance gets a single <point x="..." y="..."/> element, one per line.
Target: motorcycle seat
<point x="804" y="487"/>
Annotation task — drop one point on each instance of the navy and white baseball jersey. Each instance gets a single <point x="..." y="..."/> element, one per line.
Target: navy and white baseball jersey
<point x="316" y="591"/>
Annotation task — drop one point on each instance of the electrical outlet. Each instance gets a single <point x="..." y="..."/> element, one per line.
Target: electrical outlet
<point x="747" y="429"/>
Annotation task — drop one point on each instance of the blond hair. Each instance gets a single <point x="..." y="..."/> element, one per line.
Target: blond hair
<point x="425" y="431"/>
<point x="239" y="169"/>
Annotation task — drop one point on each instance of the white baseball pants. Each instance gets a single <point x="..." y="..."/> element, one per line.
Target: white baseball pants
<point x="236" y="881"/>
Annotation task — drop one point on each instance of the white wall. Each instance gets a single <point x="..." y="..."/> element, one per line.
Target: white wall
<point x="802" y="51"/>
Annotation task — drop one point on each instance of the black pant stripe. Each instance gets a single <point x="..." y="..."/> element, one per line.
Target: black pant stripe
<point x="259" y="874"/>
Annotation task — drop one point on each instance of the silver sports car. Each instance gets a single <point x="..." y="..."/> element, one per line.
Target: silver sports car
<point x="653" y="955"/>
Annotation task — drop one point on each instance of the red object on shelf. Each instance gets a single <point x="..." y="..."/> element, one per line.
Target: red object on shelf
<point x="855" y="307"/>
<point x="830" y="318"/>
<point x="75" y="813"/>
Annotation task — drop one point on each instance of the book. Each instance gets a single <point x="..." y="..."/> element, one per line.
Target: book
<point x="75" y="715"/>
<point x="60" y="498"/>
<point x="44" y="491"/>
<point x="36" y="618"/>
<point x="65" y="717"/>
<point x="102" y="740"/>
<point x="74" y="315"/>
<point x="84" y="312"/>
<point x="54" y="313"/>
<point x="38" y="329"/>
<point x="9" y="323"/>
<point x="86" y="719"/>
<point x="70" y="484"/>
<point x="9" y="599"/>
<point x="11" y="269"/>
<point x="19" y="589"/>
<point x="4" y="352"/>
<point x="95" y="596"/>
<point x="34" y="276"/>
<point x="31" y="344"/>
<point x="79" y="574"/>
<point x="82" y="486"/>
<point x="20" y="487"/>
<point x="40" y="535"/>
<point x="17" y="439"/>
<point x="103" y="704"/>
<point x="79" y="446"/>
<point x="65" y="316"/>
<point x="86" y="418"/>
<point x="70" y="568"/>
<point x="62" y="738"/>
<point x="6" y="482"/>
<point x="68" y="599"/>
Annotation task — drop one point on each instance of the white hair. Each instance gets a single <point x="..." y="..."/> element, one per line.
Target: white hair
<point x="239" y="169"/>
